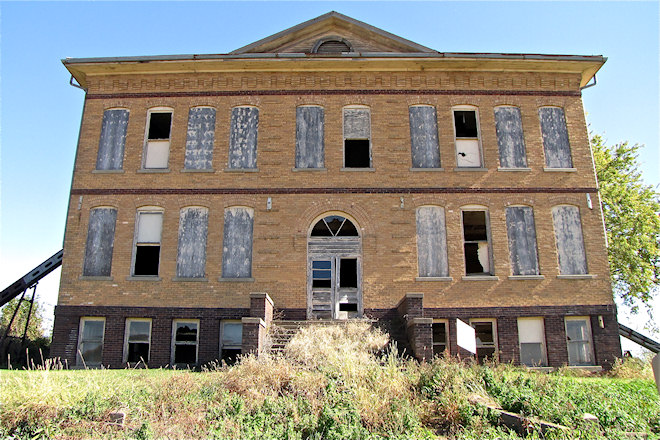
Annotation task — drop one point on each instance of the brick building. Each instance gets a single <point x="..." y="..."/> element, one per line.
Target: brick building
<point x="335" y="171"/>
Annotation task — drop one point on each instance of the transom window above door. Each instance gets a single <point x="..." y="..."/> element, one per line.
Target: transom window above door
<point x="334" y="226"/>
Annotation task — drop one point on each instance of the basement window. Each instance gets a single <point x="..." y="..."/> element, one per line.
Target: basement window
<point x="357" y="137"/>
<point x="147" y="243"/>
<point x="157" y="148"/>
<point x="466" y="131"/>
<point x="185" y="339"/>
<point x="578" y="338"/>
<point x="531" y="335"/>
<point x="476" y="243"/>
<point x="485" y="331"/>
<point x="90" y="342"/>
<point x="138" y="341"/>
<point x="440" y="336"/>
<point x="231" y="340"/>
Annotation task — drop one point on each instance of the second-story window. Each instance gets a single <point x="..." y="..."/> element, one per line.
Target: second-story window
<point x="243" y="138"/>
<point x="466" y="131"/>
<point x="522" y="240"/>
<point x="309" y="137"/>
<point x="510" y="140"/>
<point x="424" y="137"/>
<point x="555" y="138"/>
<point x="149" y="226"/>
<point x="200" y="138"/>
<point x="570" y="244"/>
<point x="191" y="256"/>
<point x="113" y="139"/>
<point x="100" y="242"/>
<point x="357" y="137"/>
<point x="157" y="149"/>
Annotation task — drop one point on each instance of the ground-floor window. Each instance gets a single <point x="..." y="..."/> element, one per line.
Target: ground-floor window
<point x="90" y="342"/>
<point x="440" y="336"/>
<point x="185" y="340"/>
<point x="578" y="338"/>
<point x="531" y="336"/>
<point x="231" y="340"/>
<point x="485" y="331"/>
<point x="137" y="340"/>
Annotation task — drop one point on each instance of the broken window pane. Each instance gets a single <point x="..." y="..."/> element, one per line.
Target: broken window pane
<point x="200" y="138"/>
<point x="555" y="138"/>
<point x="139" y="335"/>
<point x="146" y="260"/>
<point x="522" y="240"/>
<point x="191" y="256"/>
<point x="439" y="338"/>
<point x="357" y="135"/>
<point x="185" y="342"/>
<point x="356" y="153"/>
<point x="237" y="243"/>
<point x="510" y="140"/>
<point x="112" y="141"/>
<point x="486" y="343"/>
<point x="309" y="137"/>
<point x="570" y="244"/>
<point x="348" y="307"/>
<point x="321" y="274"/>
<point x="90" y="343"/>
<point x="424" y="137"/>
<point x="159" y="125"/>
<point x="243" y="138"/>
<point x="476" y="245"/>
<point x="147" y="246"/>
<point x="431" y="242"/>
<point x="348" y="272"/>
<point x="100" y="242"/>
<point x="465" y="122"/>
<point x="334" y="226"/>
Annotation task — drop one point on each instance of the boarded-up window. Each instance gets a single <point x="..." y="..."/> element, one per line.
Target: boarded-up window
<point x="570" y="244"/>
<point x="522" y="240"/>
<point x="147" y="243"/>
<point x="138" y="340"/>
<point x="243" y="138"/>
<point x="531" y="335"/>
<point x="113" y="139"/>
<point x="309" y="137"/>
<point x="555" y="138"/>
<point x="476" y="244"/>
<point x="431" y="242"/>
<point x="191" y="257"/>
<point x="237" y="243"/>
<point x="424" y="137"/>
<point x="510" y="140"/>
<point x="90" y="342"/>
<point x="466" y="131"/>
<point x="357" y="138"/>
<point x="200" y="137"/>
<point x="100" y="242"/>
<point x="157" y="150"/>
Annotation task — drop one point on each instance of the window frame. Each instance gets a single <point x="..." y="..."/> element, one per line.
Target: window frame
<point x="145" y="151"/>
<point x="222" y="346"/>
<point x="543" y="342"/>
<point x="174" y="342"/>
<point x="345" y="138"/>
<point x="475" y="109"/>
<point x="140" y="211"/>
<point x="590" y="341"/>
<point x="80" y="361"/>
<point x="491" y="262"/>
<point x="447" y="349"/>
<point x="493" y="322"/>
<point x="127" y="338"/>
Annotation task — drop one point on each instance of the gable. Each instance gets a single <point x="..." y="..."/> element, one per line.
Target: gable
<point x="337" y="29"/>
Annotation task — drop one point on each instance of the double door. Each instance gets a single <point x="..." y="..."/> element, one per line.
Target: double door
<point x="334" y="287"/>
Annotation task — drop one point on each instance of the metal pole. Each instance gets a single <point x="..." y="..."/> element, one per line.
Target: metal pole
<point x="11" y="321"/>
<point x="27" y="320"/>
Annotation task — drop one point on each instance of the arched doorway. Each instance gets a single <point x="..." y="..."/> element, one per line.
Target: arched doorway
<point x="334" y="269"/>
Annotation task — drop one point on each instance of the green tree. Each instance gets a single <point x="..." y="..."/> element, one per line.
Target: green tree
<point x="35" y="330"/>
<point x="631" y="210"/>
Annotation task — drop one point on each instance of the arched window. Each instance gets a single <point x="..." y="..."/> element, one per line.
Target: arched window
<point x="334" y="226"/>
<point x="332" y="45"/>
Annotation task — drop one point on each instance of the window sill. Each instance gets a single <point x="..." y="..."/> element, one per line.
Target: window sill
<point x="108" y="171"/>
<point x="153" y="170"/>
<point x="422" y="170"/>
<point x="560" y="170"/>
<point x="586" y="276"/>
<point x="514" y="169"/>
<point x="434" y="279"/>
<point x="480" y="169"/>
<point x="526" y="277"/>
<point x="480" y="278"/>
<point x="144" y="278"/>
<point x="589" y="368"/>
<point x="371" y="169"/>
<point x="94" y="278"/>
<point x="542" y="369"/>
<point x="190" y="279"/>
<point x="241" y="170"/>
<point x="236" y="280"/>
<point x="309" y="169"/>
<point x="192" y="170"/>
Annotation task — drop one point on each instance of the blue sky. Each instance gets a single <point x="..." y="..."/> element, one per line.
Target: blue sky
<point x="40" y="112"/>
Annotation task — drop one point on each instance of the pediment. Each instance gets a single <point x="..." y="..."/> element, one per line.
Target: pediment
<point x="333" y="33"/>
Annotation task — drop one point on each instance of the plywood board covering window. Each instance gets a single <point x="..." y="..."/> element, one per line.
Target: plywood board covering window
<point x="510" y="139"/>
<point x="476" y="243"/>
<point x="357" y="137"/>
<point x="113" y="139"/>
<point x="243" y="138"/>
<point x="570" y="244"/>
<point x="200" y="138"/>
<point x="555" y="138"/>
<point x="193" y="230"/>
<point x="100" y="242"/>
<point x="522" y="240"/>
<point x="424" y="137"/>
<point x="431" y="242"/>
<point x="157" y="150"/>
<point x="237" y="243"/>
<point x="137" y="341"/>
<point x="531" y="336"/>
<point x="310" y="149"/>
<point x="466" y="131"/>
<point x="147" y="243"/>
<point x="90" y="342"/>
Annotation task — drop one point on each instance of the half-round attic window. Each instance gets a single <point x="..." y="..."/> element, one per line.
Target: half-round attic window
<point x="332" y="45"/>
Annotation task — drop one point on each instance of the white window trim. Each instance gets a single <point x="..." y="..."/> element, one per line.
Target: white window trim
<point x="80" y="362"/>
<point x="343" y="143"/>
<point x="544" y="347"/>
<point x="174" y="344"/>
<point x="126" y="336"/>
<point x="586" y="319"/>
<point x="495" y="338"/>
<point x="146" y="136"/>
<point x="145" y="210"/>
<point x="491" y="261"/>
<point x="447" y="338"/>
<point x="474" y="108"/>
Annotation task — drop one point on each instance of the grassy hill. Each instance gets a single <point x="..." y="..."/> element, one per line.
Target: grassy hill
<point x="331" y="383"/>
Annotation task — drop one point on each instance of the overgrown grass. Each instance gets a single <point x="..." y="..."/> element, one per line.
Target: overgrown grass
<point x="332" y="383"/>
